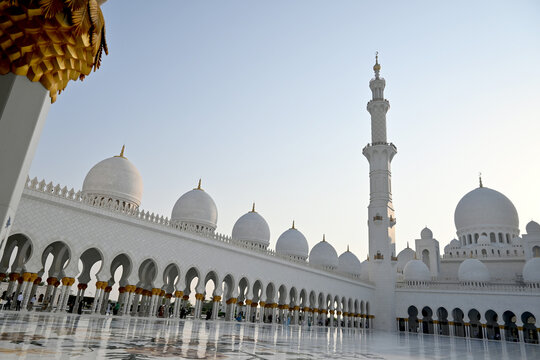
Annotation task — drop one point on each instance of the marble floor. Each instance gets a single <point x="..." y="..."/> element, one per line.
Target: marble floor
<point x="55" y="336"/>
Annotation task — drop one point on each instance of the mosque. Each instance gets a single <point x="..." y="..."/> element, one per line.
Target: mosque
<point x="485" y="284"/>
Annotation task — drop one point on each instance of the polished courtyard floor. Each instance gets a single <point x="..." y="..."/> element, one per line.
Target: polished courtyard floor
<point x="56" y="336"/>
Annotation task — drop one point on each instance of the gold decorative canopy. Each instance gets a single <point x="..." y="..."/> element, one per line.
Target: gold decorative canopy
<point x="51" y="41"/>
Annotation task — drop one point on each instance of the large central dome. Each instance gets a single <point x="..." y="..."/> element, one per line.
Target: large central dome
<point x="484" y="207"/>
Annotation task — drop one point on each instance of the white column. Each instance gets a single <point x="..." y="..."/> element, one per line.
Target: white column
<point x="97" y="297"/>
<point x="23" y="109"/>
<point x="129" y="300"/>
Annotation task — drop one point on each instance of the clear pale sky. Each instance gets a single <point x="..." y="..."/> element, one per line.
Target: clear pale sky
<point x="266" y="102"/>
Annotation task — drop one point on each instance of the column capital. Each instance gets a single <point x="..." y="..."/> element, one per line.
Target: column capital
<point x="68" y="281"/>
<point x="232" y="301"/>
<point x="178" y="294"/>
<point x="13" y="276"/>
<point x="199" y="296"/>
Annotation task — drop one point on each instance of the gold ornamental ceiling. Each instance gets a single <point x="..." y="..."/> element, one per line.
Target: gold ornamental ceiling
<point x="51" y="41"/>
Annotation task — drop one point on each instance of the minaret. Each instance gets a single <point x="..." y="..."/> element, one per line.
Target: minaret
<point x="379" y="152"/>
<point x="381" y="219"/>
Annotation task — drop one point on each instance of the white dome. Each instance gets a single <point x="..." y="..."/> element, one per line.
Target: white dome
<point x="323" y="254"/>
<point x="426" y="233"/>
<point x="349" y="264"/>
<point x="195" y="207"/>
<point x="485" y="207"/>
<point x="473" y="270"/>
<point x="416" y="270"/>
<point x="533" y="227"/>
<point x="404" y="257"/>
<point x="115" y="178"/>
<point x="293" y="243"/>
<point x="251" y="227"/>
<point x="516" y="240"/>
<point x="455" y="244"/>
<point x="531" y="271"/>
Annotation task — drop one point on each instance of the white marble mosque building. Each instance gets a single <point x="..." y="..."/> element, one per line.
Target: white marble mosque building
<point x="485" y="284"/>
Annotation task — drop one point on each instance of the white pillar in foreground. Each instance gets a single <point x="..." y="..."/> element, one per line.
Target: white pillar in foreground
<point x="23" y="109"/>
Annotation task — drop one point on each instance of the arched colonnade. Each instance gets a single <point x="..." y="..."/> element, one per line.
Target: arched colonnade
<point x="472" y="323"/>
<point x="147" y="289"/>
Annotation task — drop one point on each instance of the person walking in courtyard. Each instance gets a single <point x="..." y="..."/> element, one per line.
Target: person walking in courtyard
<point x="19" y="301"/>
<point x="32" y="302"/>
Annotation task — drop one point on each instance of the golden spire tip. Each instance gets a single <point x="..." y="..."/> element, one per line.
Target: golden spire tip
<point x="480" y="178"/>
<point x="347" y="248"/>
<point x="253" y="208"/>
<point x="199" y="185"/>
<point x="122" y="152"/>
<point x="323" y="237"/>
<point x="292" y="224"/>
<point x="377" y="66"/>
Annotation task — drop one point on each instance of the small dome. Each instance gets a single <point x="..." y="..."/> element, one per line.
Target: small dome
<point x="252" y="228"/>
<point x="533" y="227"/>
<point x="416" y="270"/>
<point x="516" y="240"/>
<point x="455" y="244"/>
<point x="114" y="178"/>
<point x="348" y="263"/>
<point x="473" y="270"/>
<point x="483" y="240"/>
<point x="195" y="207"/>
<point x="426" y="233"/>
<point x="323" y="254"/>
<point x="404" y="257"/>
<point x="293" y="243"/>
<point x="531" y="271"/>
<point x="484" y="207"/>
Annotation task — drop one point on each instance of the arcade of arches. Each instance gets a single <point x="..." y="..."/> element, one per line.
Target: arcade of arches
<point x="472" y="324"/>
<point x="52" y="285"/>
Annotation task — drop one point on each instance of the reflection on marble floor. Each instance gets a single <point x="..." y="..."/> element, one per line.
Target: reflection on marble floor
<point x="33" y="336"/>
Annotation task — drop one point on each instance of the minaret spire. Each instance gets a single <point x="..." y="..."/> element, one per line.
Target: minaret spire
<point x="377" y="66"/>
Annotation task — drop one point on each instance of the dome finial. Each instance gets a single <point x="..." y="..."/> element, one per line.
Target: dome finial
<point x="407" y="244"/>
<point x="293" y="225"/>
<point x="377" y="66"/>
<point x="323" y="238"/>
<point x="348" y="248"/>
<point x="480" y="178"/>
<point x="253" y="208"/>
<point x="198" y="185"/>
<point x="122" y="152"/>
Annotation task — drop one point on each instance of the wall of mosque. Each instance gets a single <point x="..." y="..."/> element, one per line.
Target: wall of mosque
<point x="46" y="218"/>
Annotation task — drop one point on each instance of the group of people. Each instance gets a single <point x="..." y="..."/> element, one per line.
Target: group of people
<point x="7" y="302"/>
